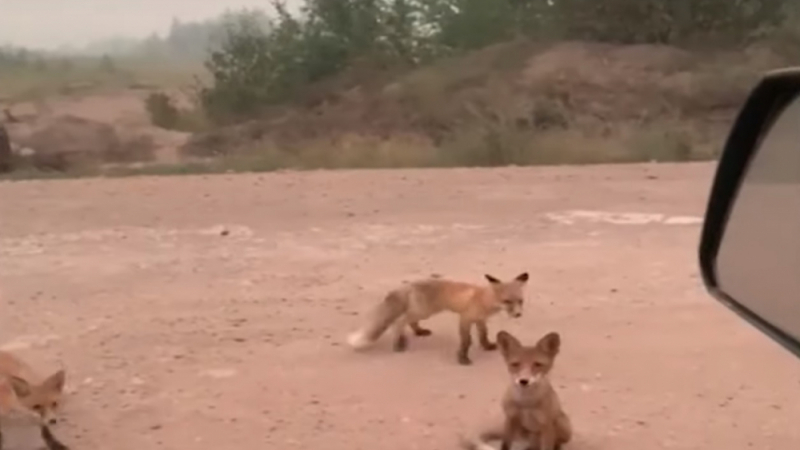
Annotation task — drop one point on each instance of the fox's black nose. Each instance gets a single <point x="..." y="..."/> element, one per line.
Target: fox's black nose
<point x="523" y="381"/>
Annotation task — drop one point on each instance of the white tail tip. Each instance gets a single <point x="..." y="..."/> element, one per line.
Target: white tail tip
<point x="470" y="444"/>
<point x="358" y="340"/>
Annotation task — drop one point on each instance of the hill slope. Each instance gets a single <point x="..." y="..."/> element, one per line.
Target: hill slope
<point x="513" y="103"/>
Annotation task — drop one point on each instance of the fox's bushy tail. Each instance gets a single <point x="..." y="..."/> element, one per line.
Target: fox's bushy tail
<point x="381" y="318"/>
<point x="466" y="443"/>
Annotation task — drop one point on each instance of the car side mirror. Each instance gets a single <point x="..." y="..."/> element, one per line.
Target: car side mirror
<point x="750" y="244"/>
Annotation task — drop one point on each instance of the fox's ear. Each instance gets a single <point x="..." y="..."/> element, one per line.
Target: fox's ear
<point x="492" y="279"/>
<point x="522" y="278"/>
<point x="550" y="343"/>
<point x="508" y="343"/>
<point x="55" y="382"/>
<point x="21" y="387"/>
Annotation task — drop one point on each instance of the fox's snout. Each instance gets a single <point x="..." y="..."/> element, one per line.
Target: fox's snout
<point x="513" y="308"/>
<point x="527" y="380"/>
<point x="46" y="416"/>
<point x="514" y="311"/>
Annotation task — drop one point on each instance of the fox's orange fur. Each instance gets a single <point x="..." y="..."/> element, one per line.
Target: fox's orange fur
<point x="413" y="302"/>
<point x="22" y="389"/>
<point x="532" y="409"/>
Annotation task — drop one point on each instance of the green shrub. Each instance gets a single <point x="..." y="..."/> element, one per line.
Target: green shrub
<point x="161" y="110"/>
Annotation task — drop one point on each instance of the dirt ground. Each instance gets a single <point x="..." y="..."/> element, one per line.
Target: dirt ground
<point x="211" y="311"/>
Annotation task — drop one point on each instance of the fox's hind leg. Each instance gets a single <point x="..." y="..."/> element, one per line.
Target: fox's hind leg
<point x="563" y="429"/>
<point x="400" y="338"/>
<point x="418" y="330"/>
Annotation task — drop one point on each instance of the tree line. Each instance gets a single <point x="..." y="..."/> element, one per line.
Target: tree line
<point x="257" y="64"/>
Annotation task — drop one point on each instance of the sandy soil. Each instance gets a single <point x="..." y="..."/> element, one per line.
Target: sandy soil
<point x="210" y="312"/>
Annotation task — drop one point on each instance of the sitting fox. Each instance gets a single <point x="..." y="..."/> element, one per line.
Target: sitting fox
<point x="531" y="406"/>
<point x="413" y="302"/>
<point x="22" y="389"/>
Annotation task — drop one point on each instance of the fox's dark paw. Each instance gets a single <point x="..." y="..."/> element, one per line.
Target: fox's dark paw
<point x="401" y="344"/>
<point x="464" y="360"/>
<point x="422" y="332"/>
<point x="489" y="346"/>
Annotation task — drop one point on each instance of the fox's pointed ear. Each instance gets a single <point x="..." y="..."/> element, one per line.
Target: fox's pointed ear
<point x="492" y="279"/>
<point x="522" y="278"/>
<point x="550" y="343"/>
<point x="55" y="382"/>
<point x="508" y="344"/>
<point x="21" y="387"/>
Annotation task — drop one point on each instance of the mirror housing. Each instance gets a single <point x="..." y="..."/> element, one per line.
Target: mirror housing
<point x="763" y="108"/>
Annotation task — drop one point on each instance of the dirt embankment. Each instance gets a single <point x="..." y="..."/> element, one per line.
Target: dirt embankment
<point x="513" y="103"/>
<point x="519" y="92"/>
<point x="61" y="133"/>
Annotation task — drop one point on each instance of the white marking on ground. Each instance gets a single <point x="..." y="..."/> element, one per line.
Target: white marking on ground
<point x="219" y="373"/>
<point x="572" y="217"/>
<point x="684" y="220"/>
<point x="28" y="341"/>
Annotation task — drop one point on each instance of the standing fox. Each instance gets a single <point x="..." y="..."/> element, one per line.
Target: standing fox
<point x="531" y="406"/>
<point x="418" y="300"/>
<point x="23" y="390"/>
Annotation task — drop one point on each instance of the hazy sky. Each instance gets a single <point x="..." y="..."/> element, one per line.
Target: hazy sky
<point x="52" y="23"/>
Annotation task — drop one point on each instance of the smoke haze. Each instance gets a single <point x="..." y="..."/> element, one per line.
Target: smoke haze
<point x="53" y="24"/>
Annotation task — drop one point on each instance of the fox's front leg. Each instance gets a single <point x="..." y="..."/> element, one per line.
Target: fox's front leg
<point x="483" y="336"/>
<point x="1" y="437"/>
<point x="50" y="441"/>
<point x="464" y="328"/>
<point x="547" y="439"/>
<point x="510" y="431"/>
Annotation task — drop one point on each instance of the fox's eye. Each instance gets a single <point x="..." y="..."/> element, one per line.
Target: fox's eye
<point x="37" y="408"/>
<point x="538" y="365"/>
<point x="514" y="365"/>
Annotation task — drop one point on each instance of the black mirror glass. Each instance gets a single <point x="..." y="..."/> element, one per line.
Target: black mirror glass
<point x="758" y="263"/>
